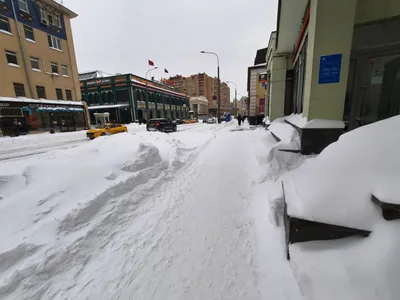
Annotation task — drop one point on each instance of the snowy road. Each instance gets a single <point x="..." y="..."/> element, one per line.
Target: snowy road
<point x="178" y="222"/>
<point x="24" y="146"/>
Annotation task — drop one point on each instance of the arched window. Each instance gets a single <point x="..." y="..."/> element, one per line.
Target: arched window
<point x="110" y="97"/>
<point x="90" y="99"/>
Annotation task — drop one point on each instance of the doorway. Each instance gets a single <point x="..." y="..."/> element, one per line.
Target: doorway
<point x="377" y="89"/>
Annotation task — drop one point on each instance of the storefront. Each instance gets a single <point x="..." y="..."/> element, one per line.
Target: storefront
<point x="130" y="98"/>
<point x="20" y="116"/>
<point x="336" y="60"/>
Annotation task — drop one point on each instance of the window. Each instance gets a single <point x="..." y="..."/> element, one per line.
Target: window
<point x="29" y="33"/>
<point x="11" y="57"/>
<point x="19" y="90"/>
<point x="54" y="68"/>
<point x="43" y="17"/>
<point x="50" y="18"/>
<point x="41" y="92"/>
<point x="64" y="70"/>
<point x="68" y="94"/>
<point x="57" y="20"/>
<point x="35" y="63"/>
<point x="59" y="94"/>
<point x="4" y="24"/>
<point x="23" y="5"/>
<point x="54" y="42"/>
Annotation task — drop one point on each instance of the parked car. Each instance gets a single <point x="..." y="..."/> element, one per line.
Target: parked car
<point x="109" y="128"/>
<point x="205" y="120"/>
<point x="211" y="121"/>
<point x="178" y="121"/>
<point x="161" y="124"/>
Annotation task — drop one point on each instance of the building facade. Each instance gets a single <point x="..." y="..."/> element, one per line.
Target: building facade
<point x="203" y="85"/>
<point x="341" y="59"/>
<point x="37" y="61"/>
<point x="335" y="60"/>
<point x="37" y="51"/>
<point x="256" y="93"/>
<point x="199" y="106"/>
<point x="130" y="98"/>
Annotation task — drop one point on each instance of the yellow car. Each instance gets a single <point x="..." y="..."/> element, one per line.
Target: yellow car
<point x="111" y="128"/>
<point x="189" y="121"/>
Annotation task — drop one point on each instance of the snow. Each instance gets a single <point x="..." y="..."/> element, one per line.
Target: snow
<point x="284" y="131"/>
<point x="302" y="122"/>
<point x="280" y="162"/>
<point x="335" y="188"/>
<point x="108" y="106"/>
<point x="40" y="101"/>
<point x="346" y="179"/>
<point x="142" y="215"/>
<point x="158" y="88"/>
<point x="317" y="123"/>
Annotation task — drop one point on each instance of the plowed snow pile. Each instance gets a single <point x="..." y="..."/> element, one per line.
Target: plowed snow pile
<point x="52" y="207"/>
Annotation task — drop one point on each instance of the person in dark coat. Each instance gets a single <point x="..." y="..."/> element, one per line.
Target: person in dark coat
<point x="239" y="118"/>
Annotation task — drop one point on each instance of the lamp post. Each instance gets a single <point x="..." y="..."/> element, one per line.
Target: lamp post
<point x="149" y="70"/>
<point x="235" y="95"/>
<point x="147" y="95"/>
<point x="219" y="85"/>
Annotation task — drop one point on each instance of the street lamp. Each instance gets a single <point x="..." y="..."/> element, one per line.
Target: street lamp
<point x="150" y="71"/>
<point x="147" y="96"/>
<point x="235" y="95"/>
<point x="219" y="85"/>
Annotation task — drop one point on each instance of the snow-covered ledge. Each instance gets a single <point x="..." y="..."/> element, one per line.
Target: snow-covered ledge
<point x="315" y="134"/>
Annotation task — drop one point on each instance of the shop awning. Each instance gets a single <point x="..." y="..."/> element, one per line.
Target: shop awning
<point x="108" y="106"/>
<point x="59" y="109"/>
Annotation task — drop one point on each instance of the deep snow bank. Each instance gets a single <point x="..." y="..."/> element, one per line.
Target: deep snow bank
<point x="278" y="161"/>
<point x="51" y="204"/>
<point x="336" y="188"/>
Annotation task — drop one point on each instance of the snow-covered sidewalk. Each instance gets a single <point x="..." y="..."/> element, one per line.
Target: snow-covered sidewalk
<point x="144" y="216"/>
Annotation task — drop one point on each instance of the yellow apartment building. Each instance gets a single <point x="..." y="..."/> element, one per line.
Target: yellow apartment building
<point x="37" y="62"/>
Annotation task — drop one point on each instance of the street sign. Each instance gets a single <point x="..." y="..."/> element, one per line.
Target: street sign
<point x="329" y="68"/>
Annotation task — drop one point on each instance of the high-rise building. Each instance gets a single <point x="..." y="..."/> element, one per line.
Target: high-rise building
<point x="202" y="85"/>
<point x="37" y="56"/>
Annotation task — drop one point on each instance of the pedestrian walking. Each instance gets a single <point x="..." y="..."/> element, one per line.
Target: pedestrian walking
<point x="239" y="118"/>
<point x="17" y="127"/>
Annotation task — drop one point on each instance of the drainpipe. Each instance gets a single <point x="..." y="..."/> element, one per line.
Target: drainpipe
<point x="22" y="49"/>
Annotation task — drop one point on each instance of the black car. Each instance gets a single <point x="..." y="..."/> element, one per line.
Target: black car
<point x="178" y="121"/>
<point x="161" y="124"/>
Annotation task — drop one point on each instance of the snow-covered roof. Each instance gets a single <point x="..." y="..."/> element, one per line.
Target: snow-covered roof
<point x="93" y="75"/>
<point x="158" y="88"/>
<point x="198" y="99"/>
<point x="39" y="101"/>
<point x="107" y="106"/>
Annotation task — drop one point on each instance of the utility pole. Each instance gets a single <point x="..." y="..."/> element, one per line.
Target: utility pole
<point x="219" y="96"/>
<point x="219" y="85"/>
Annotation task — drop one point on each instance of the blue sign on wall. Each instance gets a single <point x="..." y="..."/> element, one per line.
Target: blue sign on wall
<point x="329" y="68"/>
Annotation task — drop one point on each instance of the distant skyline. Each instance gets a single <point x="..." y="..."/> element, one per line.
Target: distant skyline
<point x="120" y="36"/>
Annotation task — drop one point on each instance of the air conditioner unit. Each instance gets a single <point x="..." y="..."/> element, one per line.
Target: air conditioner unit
<point x="45" y="22"/>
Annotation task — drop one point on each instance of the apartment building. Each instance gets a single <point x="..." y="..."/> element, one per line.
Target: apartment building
<point x="37" y="57"/>
<point x="37" y="50"/>
<point x="203" y="85"/>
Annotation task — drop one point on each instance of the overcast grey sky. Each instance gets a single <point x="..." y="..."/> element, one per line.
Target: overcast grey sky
<point x="119" y="36"/>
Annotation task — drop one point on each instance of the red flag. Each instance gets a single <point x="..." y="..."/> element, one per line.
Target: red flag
<point x="151" y="63"/>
